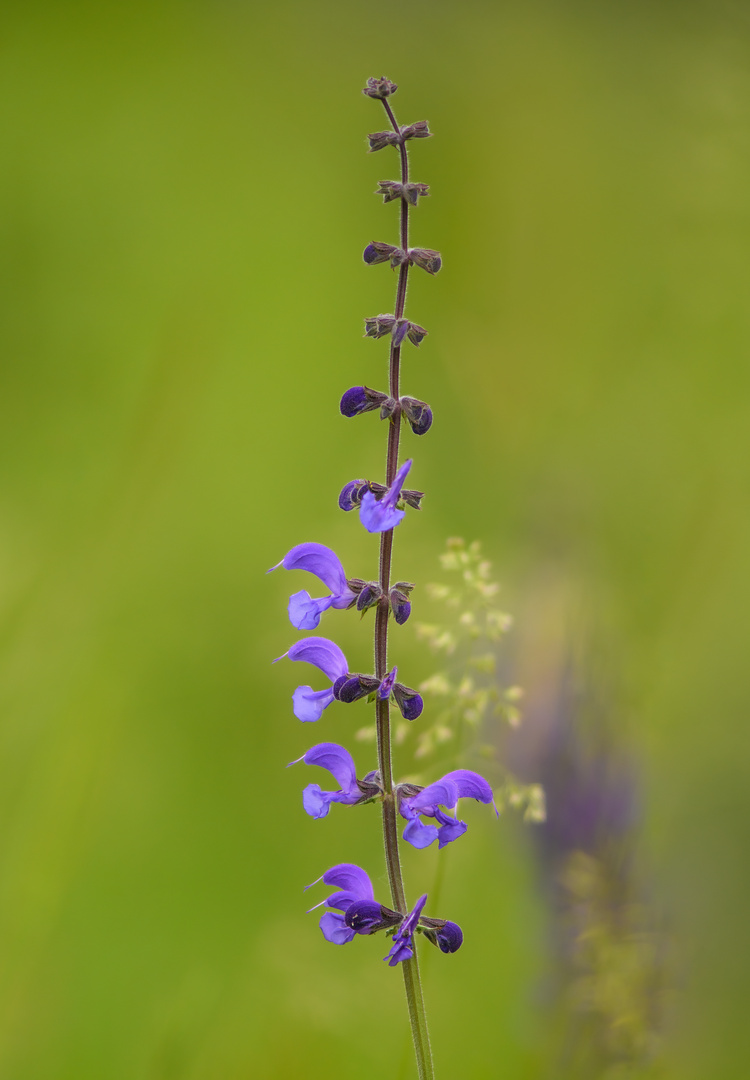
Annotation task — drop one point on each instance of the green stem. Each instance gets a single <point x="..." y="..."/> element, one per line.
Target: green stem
<point x="410" y="968"/>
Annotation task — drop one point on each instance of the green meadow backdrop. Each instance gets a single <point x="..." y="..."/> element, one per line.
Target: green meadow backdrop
<point x="184" y="198"/>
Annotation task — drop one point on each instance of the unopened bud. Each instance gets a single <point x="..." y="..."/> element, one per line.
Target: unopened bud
<point x="369" y="595"/>
<point x="351" y="494"/>
<point x="356" y="687"/>
<point x="417" y="413"/>
<point x="361" y="399"/>
<point x="380" y="88"/>
<point x="379" y="325"/>
<point x="378" y="140"/>
<point x="399" y="601"/>
<point x="408" y="701"/>
<point x="416" y="334"/>
<point x="419" y="130"/>
<point x="426" y="259"/>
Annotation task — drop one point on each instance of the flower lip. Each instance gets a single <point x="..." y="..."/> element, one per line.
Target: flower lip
<point x="426" y="802"/>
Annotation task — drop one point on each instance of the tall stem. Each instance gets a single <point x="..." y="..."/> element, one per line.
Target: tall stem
<point x="410" y="968"/>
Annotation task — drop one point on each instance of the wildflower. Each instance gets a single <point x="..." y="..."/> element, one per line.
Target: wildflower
<point x="340" y="763"/>
<point x="361" y="399"/>
<point x="362" y="914"/>
<point x="304" y="612"/>
<point x="351" y="494"/>
<point x="381" y="515"/>
<point x="326" y="655"/>
<point x="403" y="939"/>
<point x="461" y="784"/>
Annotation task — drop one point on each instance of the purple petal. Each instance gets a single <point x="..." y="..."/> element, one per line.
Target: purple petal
<point x="419" y="835"/>
<point x="460" y="784"/>
<point x="449" y="937"/>
<point x="337" y="760"/>
<point x="304" y="612"/>
<point x="394" y="491"/>
<point x="335" y="929"/>
<point x="351" y="494"/>
<point x="351" y="877"/>
<point x="409" y="924"/>
<point x="321" y="652"/>
<point x="383" y="515"/>
<point x="308" y="704"/>
<point x="384" y="690"/>
<point x="450" y="830"/>
<point x="376" y="516"/>
<point x="316" y="803"/>
<point x="401" y="951"/>
<point x="411" y="705"/>
<point x="354" y="401"/>
<point x="319" y="560"/>
<point x="363" y="915"/>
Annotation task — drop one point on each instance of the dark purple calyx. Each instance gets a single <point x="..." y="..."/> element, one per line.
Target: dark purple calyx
<point x="417" y="413"/>
<point x="398" y="598"/>
<point x="409" y="701"/>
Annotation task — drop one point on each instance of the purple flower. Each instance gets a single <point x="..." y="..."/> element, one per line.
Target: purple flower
<point x="304" y="611"/>
<point x="461" y="784"/>
<point x="339" y="762"/>
<point x="362" y="914"/>
<point x="386" y="687"/>
<point x="354" y="885"/>
<point x="379" y="515"/>
<point x="324" y="654"/>
<point x="403" y="943"/>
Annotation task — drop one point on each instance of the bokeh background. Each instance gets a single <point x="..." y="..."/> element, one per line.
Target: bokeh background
<point x="185" y="197"/>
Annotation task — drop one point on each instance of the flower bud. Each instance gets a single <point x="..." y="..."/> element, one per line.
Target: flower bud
<point x="426" y="259"/>
<point x="369" y="595"/>
<point x="368" y="916"/>
<point x="361" y="399"/>
<point x="377" y="252"/>
<point x="419" y="130"/>
<point x="379" y="325"/>
<point x="351" y="494"/>
<point x="448" y="936"/>
<point x="408" y="701"/>
<point x="399" y="601"/>
<point x="356" y="687"/>
<point x="418" y="413"/>
<point x="380" y="88"/>
<point x="413" y="191"/>
<point x="380" y="139"/>
<point x="416" y="334"/>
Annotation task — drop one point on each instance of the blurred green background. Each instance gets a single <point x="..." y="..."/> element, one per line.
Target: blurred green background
<point x="185" y="198"/>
